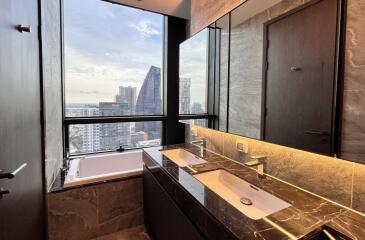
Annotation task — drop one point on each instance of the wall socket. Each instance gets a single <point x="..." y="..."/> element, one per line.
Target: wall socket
<point x="241" y="146"/>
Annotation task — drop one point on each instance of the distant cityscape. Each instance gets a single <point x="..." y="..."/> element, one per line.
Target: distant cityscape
<point x="110" y="136"/>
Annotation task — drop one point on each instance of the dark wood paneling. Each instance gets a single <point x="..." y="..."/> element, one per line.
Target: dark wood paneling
<point x="22" y="211"/>
<point x="299" y="103"/>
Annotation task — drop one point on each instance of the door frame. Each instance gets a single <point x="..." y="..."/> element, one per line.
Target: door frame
<point x="337" y="103"/>
<point x="42" y="120"/>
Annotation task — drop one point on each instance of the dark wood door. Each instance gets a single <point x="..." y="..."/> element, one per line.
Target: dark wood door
<point x="22" y="210"/>
<point x="300" y="77"/>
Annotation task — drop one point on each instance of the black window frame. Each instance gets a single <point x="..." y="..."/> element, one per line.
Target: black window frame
<point x="212" y="106"/>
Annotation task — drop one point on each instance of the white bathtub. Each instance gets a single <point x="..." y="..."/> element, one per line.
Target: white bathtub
<point x="103" y="167"/>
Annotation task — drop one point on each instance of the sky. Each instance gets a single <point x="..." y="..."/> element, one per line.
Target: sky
<point x="109" y="45"/>
<point x="193" y="65"/>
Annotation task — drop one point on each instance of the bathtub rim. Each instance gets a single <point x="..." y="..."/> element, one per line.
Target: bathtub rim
<point x="102" y="178"/>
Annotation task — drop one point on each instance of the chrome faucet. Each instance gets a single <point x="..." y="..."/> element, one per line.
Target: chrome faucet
<point x="259" y="162"/>
<point x="202" y="143"/>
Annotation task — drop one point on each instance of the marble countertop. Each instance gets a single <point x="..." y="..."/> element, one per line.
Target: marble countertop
<point x="307" y="213"/>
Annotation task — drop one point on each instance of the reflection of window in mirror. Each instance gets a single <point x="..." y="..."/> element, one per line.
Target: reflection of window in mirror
<point x="193" y="74"/>
<point x="222" y="55"/>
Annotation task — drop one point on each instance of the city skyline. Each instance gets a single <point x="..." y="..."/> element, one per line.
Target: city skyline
<point x="111" y="136"/>
<point x="103" y="137"/>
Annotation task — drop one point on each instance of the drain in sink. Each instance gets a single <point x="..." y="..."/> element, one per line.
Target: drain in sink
<point x="246" y="201"/>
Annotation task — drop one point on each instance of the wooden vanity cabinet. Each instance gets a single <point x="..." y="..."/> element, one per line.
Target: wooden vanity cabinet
<point x="163" y="218"/>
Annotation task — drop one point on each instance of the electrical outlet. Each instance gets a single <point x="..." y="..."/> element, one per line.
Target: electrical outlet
<point x="241" y="146"/>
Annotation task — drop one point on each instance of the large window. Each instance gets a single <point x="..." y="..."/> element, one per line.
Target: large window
<point x="193" y="74"/>
<point x="88" y="138"/>
<point x="113" y="68"/>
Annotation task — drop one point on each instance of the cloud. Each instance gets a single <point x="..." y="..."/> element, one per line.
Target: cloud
<point x="107" y="46"/>
<point x="88" y="92"/>
<point x="145" y="27"/>
<point x="88" y="81"/>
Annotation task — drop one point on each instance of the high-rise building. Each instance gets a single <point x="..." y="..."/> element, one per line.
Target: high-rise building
<point x="149" y="143"/>
<point x="149" y="103"/>
<point x="83" y="138"/>
<point x="184" y="95"/>
<point x="82" y="110"/>
<point x="114" y="135"/>
<point x="113" y="108"/>
<point x="138" y="137"/>
<point x="196" y="108"/>
<point x="127" y="95"/>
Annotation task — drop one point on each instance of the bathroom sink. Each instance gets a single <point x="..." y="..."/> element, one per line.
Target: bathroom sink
<point x="253" y="202"/>
<point x="182" y="157"/>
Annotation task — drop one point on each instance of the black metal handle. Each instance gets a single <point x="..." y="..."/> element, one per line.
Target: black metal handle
<point x="11" y="175"/>
<point x="321" y="133"/>
<point x="22" y="28"/>
<point x="6" y="175"/>
<point x="3" y="192"/>
<point x="295" y="69"/>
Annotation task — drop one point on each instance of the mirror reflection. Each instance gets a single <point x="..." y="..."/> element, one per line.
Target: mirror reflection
<point x="278" y="76"/>
<point x="282" y="73"/>
<point x="193" y="74"/>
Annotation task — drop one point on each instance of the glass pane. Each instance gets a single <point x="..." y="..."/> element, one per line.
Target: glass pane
<point x="193" y="74"/>
<point x="88" y="138"/>
<point x="222" y="51"/>
<point x="196" y="122"/>
<point x="113" y="59"/>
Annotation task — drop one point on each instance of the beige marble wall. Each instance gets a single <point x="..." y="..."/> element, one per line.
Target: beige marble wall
<point x="205" y="12"/>
<point x="335" y="179"/>
<point x="95" y="211"/>
<point x="51" y="57"/>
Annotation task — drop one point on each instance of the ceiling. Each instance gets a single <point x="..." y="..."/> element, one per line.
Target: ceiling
<point x="250" y="9"/>
<point x="177" y="8"/>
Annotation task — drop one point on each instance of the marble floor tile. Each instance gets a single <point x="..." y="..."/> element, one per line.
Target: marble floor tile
<point x="136" y="233"/>
<point x="359" y="190"/>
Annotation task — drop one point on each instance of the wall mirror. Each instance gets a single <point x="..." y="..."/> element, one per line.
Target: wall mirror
<point x="196" y="79"/>
<point x="193" y="74"/>
<point x="279" y="76"/>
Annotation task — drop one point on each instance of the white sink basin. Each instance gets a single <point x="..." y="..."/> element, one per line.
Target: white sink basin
<point x="234" y="190"/>
<point x="182" y="157"/>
